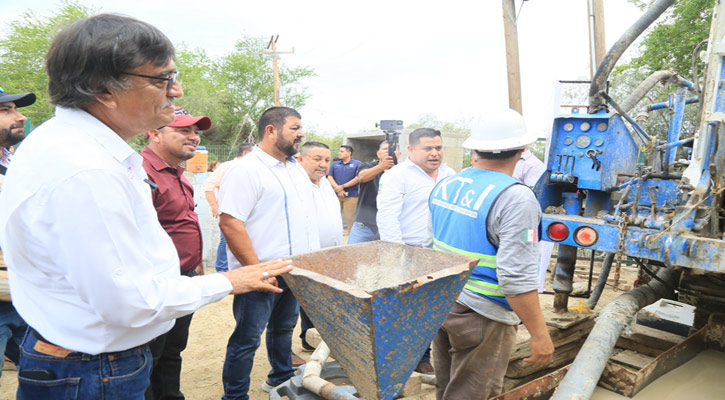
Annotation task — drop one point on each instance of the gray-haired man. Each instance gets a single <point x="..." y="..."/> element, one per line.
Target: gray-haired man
<point x="92" y="271"/>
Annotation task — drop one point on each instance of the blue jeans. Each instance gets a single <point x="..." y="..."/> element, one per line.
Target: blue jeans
<point x="12" y="329"/>
<point x="221" y="255"/>
<point x="361" y="233"/>
<point x="253" y="312"/>
<point x="119" y="375"/>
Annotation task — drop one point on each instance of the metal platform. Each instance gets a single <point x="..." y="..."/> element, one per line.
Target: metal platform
<point x="378" y="305"/>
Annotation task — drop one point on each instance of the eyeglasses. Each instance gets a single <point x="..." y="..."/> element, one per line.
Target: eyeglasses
<point x="170" y="80"/>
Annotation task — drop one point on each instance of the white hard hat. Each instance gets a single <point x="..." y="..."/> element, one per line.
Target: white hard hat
<point x="499" y="131"/>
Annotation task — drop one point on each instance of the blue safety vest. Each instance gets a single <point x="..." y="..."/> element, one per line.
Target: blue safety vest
<point x="460" y="205"/>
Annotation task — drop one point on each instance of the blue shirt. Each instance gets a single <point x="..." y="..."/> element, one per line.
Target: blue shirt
<point x="343" y="173"/>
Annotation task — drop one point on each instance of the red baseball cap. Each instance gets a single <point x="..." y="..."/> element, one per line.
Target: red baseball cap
<point x="183" y="118"/>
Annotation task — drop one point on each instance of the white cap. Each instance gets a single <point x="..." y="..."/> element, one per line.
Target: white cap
<point x="499" y="131"/>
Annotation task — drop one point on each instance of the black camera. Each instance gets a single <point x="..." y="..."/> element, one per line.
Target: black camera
<point x="388" y="125"/>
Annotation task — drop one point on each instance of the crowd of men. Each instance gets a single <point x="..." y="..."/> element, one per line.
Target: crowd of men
<point x="113" y="240"/>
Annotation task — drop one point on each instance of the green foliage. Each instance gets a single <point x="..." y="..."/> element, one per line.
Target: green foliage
<point x="333" y="141"/>
<point x="232" y="90"/>
<point x="670" y="43"/>
<point x="22" y="55"/>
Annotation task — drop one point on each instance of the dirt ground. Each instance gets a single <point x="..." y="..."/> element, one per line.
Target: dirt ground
<point x="202" y="366"/>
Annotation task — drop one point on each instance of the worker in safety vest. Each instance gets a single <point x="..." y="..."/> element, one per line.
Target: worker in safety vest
<point x="485" y="213"/>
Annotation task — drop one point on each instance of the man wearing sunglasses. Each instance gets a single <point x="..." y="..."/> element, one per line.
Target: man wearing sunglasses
<point x="12" y="131"/>
<point x="92" y="271"/>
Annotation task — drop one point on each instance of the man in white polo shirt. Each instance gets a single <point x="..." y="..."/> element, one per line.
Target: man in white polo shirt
<point x="403" y="213"/>
<point x="315" y="159"/>
<point x="266" y="213"/>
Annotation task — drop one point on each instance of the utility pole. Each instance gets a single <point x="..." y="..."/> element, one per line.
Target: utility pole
<point x="512" y="55"/>
<point x="597" y="45"/>
<point x="273" y="45"/>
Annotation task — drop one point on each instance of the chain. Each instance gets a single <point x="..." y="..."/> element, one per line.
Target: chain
<point x="622" y="225"/>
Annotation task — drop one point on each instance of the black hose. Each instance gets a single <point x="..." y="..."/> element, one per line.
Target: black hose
<point x="596" y="102"/>
<point x="601" y="281"/>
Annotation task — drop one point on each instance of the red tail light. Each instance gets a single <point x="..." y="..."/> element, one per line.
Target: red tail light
<point x="585" y="236"/>
<point x="557" y="231"/>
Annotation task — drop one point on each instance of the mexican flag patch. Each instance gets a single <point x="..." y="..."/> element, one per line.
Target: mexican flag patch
<point x="529" y="235"/>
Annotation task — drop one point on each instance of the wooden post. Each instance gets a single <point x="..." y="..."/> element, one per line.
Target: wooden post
<point x="275" y="65"/>
<point x="597" y="45"/>
<point x="512" y="55"/>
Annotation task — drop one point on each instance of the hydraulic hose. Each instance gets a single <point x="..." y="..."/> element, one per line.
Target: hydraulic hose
<point x="596" y="102"/>
<point x="601" y="281"/>
<point x="583" y="375"/>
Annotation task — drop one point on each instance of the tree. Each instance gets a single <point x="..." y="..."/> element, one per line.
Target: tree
<point x="22" y="55"/>
<point x="244" y="81"/>
<point x="232" y="90"/>
<point x="670" y="43"/>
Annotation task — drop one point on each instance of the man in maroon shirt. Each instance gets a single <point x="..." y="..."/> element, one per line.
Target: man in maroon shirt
<point x="173" y="196"/>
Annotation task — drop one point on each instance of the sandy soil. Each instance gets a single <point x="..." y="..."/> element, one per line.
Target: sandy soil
<point x="204" y="356"/>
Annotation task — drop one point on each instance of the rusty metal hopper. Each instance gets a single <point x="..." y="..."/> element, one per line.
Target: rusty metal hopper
<point x="378" y="305"/>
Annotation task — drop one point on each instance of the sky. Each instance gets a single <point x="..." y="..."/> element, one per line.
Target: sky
<point x="389" y="59"/>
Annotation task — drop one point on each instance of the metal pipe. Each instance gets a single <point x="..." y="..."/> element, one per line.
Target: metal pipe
<point x="666" y="104"/>
<point x="596" y="102"/>
<point x="601" y="281"/>
<point x="564" y="278"/>
<point x="584" y="373"/>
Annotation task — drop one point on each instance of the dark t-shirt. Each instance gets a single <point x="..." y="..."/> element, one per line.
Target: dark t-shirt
<point x="367" y="205"/>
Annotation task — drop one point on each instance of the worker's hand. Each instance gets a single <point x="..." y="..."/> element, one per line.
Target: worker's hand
<point x="342" y="194"/>
<point x="338" y="189"/>
<point x="250" y="278"/>
<point x="542" y="350"/>
<point x="387" y="162"/>
<point x="199" y="270"/>
<point x="214" y="211"/>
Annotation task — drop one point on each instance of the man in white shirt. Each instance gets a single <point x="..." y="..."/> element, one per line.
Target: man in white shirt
<point x="92" y="271"/>
<point x="266" y="213"/>
<point x="403" y="213"/>
<point x="528" y="169"/>
<point x="211" y="188"/>
<point x="315" y="159"/>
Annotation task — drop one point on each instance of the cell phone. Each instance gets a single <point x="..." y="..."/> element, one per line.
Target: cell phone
<point x="37" y="374"/>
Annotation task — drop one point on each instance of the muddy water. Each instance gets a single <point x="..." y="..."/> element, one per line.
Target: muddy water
<point x="700" y="378"/>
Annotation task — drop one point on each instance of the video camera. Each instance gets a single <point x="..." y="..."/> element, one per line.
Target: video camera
<point x="392" y="129"/>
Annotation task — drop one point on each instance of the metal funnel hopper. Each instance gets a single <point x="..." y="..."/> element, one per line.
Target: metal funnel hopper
<point x="378" y="305"/>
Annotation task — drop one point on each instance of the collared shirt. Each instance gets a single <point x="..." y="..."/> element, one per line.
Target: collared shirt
<point x="213" y="181"/>
<point x="329" y="219"/>
<point x="403" y="213"/>
<point x="174" y="203"/>
<point x="91" y="268"/>
<point x="343" y="173"/>
<point x="273" y="199"/>
<point x="528" y="169"/>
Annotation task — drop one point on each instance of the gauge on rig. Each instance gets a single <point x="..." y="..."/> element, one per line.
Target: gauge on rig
<point x="582" y="141"/>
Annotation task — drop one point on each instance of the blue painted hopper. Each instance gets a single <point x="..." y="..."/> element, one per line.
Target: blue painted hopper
<point x="378" y="305"/>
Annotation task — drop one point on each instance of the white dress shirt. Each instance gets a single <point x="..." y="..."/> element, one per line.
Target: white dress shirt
<point x="329" y="219"/>
<point x="213" y="181"/>
<point x="403" y="213"/>
<point x="90" y="266"/>
<point x="274" y="200"/>
<point x="528" y="169"/>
